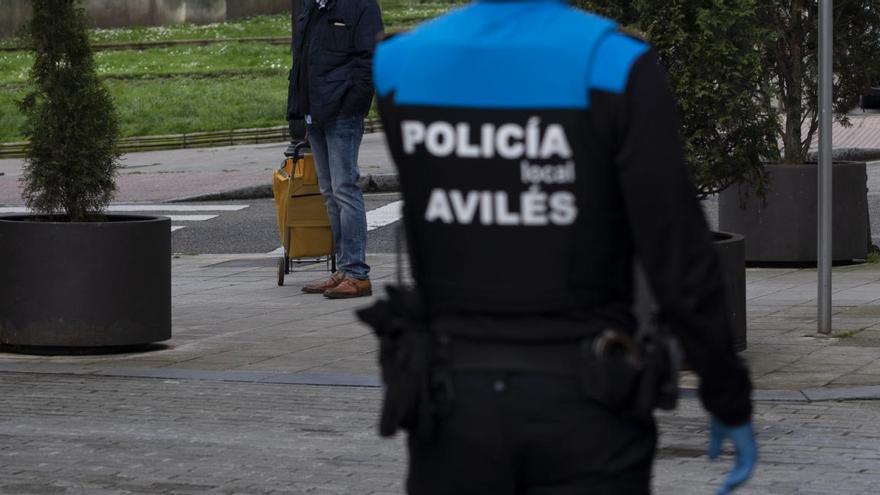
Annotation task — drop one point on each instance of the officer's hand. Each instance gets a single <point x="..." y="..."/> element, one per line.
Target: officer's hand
<point x="743" y="438"/>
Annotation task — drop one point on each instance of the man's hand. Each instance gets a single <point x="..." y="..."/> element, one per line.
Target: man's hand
<point x="743" y="438"/>
<point x="291" y="148"/>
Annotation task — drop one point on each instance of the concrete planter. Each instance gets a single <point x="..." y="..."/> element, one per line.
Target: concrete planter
<point x="730" y="249"/>
<point x="79" y="286"/>
<point x="782" y="226"/>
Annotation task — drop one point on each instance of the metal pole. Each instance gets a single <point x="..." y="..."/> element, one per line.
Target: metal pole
<point x="826" y="40"/>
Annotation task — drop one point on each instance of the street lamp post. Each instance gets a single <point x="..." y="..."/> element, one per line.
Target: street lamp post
<point x="826" y="37"/>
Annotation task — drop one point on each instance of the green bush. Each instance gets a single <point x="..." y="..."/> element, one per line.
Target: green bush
<point x="745" y="74"/>
<point x="711" y="50"/>
<point x="69" y="118"/>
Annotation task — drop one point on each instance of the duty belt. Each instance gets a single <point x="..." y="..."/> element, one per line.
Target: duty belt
<point x="559" y="358"/>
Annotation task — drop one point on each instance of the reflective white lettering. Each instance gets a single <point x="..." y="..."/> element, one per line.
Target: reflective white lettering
<point x="502" y="214"/>
<point x="533" y="204"/>
<point x="440" y="139"/>
<point x="487" y="134"/>
<point x="438" y="207"/>
<point x="533" y="137"/>
<point x="464" y="208"/>
<point x="547" y="174"/>
<point x="563" y="208"/>
<point x="511" y="141"/>
<point x="413" y="134"/>
<point x="486" y="216"/>
<point x="537" y="207"/>
<point x="508" y="141"/>
<point x="555" y="143"/>
<point x="465" y="149"/>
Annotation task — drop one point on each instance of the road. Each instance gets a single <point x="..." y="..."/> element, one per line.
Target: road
<point x="254" y="229"/>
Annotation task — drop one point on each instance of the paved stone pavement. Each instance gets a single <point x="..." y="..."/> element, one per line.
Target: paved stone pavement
<point x="231" y="319"/>
<point x="264" y="389"/>
<point x="74" y="435"/>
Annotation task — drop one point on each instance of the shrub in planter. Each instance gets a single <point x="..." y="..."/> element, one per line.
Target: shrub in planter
<point x="70" y="120"/>
<point x="765" y="52"/>
<point x="709" y="50"/>
<point x="74" y="277"/>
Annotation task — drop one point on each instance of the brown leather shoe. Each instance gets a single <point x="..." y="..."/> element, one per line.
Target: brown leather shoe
<point x="319" y="286"/>
<point x="350" y="287"/>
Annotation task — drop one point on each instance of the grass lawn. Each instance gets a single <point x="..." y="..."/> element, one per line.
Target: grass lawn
<point x="190" y="105"/>
<point x="10" y="119"/>
<point x="395" y="13"/>
<point x="172" y="106"/>
<point x="191" y="88"/>
<point x="217" y="59"/>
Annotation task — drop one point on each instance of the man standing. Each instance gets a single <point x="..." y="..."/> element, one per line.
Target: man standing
<point x="331" y="89"/>
<point x="543" y="139"/>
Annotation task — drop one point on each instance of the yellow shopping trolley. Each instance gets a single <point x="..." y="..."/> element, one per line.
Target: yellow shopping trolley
<point x="303" y="223"/>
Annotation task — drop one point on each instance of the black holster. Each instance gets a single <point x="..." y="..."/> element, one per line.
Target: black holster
<point x="412" y="361"/>
<point x="630" y="375"/>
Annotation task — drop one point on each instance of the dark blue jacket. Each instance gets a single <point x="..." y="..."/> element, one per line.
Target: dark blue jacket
<point x="333" y="52"/>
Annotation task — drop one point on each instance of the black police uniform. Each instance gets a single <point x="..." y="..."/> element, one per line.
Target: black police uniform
<point x="539" y="155"/>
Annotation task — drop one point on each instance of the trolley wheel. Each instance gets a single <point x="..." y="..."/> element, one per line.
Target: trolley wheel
<point x="282" y="267"/>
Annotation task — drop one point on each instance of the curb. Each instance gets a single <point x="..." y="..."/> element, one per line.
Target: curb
<point x="370" y="381"/>
<point x="375" y="183"/>
<point x="849" y="154"/>
<point x="207" y="139"/>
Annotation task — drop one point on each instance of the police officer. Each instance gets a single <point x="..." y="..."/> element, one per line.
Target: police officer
<point x="539" y="156"/>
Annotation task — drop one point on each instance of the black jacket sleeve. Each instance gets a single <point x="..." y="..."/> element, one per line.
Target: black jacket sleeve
<point x="673" y="242"/>
<point x="366" y="35"/>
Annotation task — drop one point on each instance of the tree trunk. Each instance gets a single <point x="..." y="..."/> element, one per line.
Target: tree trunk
<point x="793" y="93"/>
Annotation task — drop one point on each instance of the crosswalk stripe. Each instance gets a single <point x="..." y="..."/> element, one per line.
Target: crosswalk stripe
<point x="190" y="218"/>
<point x="384" y="215"/>
<point x="151" y="207"/>
<point x="176" y="207"/>
<point x="154" y="208"/>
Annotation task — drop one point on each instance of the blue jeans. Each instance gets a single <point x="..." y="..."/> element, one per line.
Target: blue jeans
<point x="335" y="146"/>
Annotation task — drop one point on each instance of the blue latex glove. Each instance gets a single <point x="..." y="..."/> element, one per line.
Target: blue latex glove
<point x="746" y="457"/>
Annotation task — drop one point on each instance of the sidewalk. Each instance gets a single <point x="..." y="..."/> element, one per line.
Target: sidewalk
<point x="232" y="323"/>
<point x="232" y="172"/>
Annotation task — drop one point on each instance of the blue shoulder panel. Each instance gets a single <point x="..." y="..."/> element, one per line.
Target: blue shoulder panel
<point x="614" y="59"/>
<point x="525" y="54"/>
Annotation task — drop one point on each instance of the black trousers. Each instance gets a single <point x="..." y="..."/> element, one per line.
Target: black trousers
<point x="530" y="434"/>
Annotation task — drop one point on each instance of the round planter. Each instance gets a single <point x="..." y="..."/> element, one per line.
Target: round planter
<point x="782" y="226"/>
<point x="84" y="284"/>
<point x="730" y="249"/>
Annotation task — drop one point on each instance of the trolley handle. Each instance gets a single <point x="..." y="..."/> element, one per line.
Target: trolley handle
<point x="297" y="153"/>
<point x="297" y="150"/>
